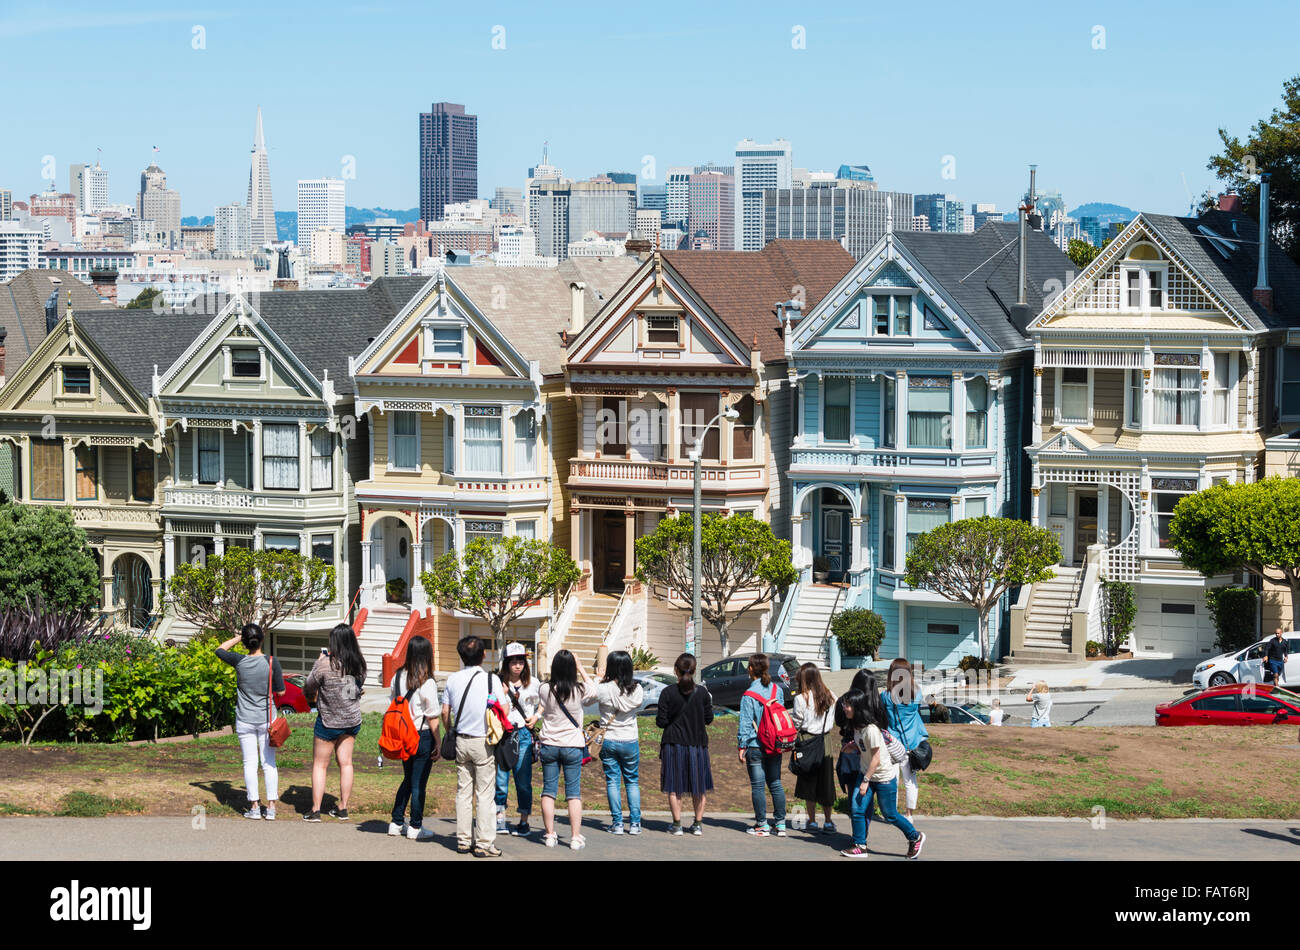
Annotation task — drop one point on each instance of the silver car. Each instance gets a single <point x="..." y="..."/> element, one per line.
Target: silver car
<point x="652" y="684"/>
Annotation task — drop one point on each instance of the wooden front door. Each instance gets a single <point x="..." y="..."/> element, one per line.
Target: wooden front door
<point x="612" y="540"/>
<point x="1085" y="525"/>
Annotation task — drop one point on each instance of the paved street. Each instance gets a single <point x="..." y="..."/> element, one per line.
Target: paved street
<point x="223" y="839"/>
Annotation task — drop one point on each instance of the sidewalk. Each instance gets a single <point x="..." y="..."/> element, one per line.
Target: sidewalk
<point x="1136" y="673"/>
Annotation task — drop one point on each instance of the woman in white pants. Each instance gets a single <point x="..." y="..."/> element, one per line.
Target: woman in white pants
<point x="902" y="704"/>
<point x="256" y="677"/>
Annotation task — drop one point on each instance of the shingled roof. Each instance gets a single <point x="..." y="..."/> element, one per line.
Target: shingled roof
<point x="744" y="287"/>
<point x="22" y="309"/>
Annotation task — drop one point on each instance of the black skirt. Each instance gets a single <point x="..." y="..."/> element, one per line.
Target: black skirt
<point x="684" y="769"/>
<point x="819" y="787"/>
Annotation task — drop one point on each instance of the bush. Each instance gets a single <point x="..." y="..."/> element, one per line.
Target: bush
<point x="972" y="662"/>
<point x="1233" y="612"/>
<point x="23" y="627"/>
<point x="859" y="631"/>
<point x="643" y="659"/>
<point x="1093" y="648"/>
<point x="1118" y="611"/>
<point x="396" y="590"/>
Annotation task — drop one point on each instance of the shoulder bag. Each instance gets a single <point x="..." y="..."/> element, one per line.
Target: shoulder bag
<point x="277" y="732"/>
<point x="448" y="749"/>
<point x="809" y="751"/>
<point x="507" y="751"/>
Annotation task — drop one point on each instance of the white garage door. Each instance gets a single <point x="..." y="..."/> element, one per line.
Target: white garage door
<point x="1174" y="621"/>
<point x="297" y="652"/>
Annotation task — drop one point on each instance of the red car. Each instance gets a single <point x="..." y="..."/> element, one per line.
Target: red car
<point x="1237" y="704"/>
<point x="293" y="699"/>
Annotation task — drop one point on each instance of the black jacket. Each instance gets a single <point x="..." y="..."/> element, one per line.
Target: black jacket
<point x="688" y="716"/>
<point x="1277" y="649"/>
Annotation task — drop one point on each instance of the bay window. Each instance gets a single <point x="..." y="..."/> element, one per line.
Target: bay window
<point x="1165" y="494"/>
<point x="742" y="430"/>
<point x="1073" y="404"/>
<point x="322" y="459"/>
<point x="1221" y="391"/>
<point x="483" y="454"/>
<point x="87" y="459"/>
<point x="1134" y="420"/>
<point x="977" y="506"/>
<point x="404" y="443"/>
<point x="929" y="412"/>
<point x="210" y="455"/>
<point x="1176" y="396"/>
<point x="525" y="442"/>
<point x="526" y="529"/>
<point x="142" y="474"/>
<point x="835" y="426"/>
<point x="281" y="542"/>
<point x="483" y="530"/>
<point x="888" y="421"/>
<point x="279" y="456"/>
<point x="322" y="548"/>
<point x="887" y="507"/>
<point x="977" y="415"/>
<point x="925" y="514"/>
<point x="698" y="410"/>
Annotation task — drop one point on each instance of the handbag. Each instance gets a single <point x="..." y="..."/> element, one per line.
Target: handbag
<point x="277" y="730"/>
<point x="448" y="749"/>
<point x="920" y="757"/>
<point x="847" y="768"/>
<point x="509" y="750"/>
<point x="808" y="755"/>
<point x="494" y="729"/>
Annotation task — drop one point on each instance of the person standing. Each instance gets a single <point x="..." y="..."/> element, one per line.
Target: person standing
<point x="764" y="769"/>
<point x="879" y="778"/>
<point x="1278" y="650"/>
<point x="521" y="704"/>
<point x="334" y="684"/>
<point x="620" y="697"/>
<point x="256" y="677"/>
<point x="466" y="696"/>
<point x="903" y="707"/>
<point x="995" y="713"/>
<point x="1041" y="697"/>
<point x="416" y="679"/>
<point x="814" y="717"/>
<point x="562" y="744"/>
<point x="685" y="710"/>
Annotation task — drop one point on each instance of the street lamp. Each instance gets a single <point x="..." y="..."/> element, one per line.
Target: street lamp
<point x="695" y="540"/>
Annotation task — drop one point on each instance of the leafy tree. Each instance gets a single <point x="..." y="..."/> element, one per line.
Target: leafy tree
<point x="1081" y="252"/>
<point x="977" y="560"/>
<point x="45" y="559"/>
<point x="497" y="579"/>
<point x="144" y="299"/>
<point x="1273" y="146"/>
<point x="1249" y="526"/>
<point x="244" y="586"/>
<point x="1119" y="610"/>
<point x="738" y="555"/>
<point x="1233" y="612"/>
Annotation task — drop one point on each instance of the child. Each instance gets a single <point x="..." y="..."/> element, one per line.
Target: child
<point x="995" y="714"/>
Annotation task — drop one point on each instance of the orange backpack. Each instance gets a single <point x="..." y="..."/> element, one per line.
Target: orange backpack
<point x="398" y="737"/>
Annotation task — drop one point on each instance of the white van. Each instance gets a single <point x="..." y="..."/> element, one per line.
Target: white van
<point x="1247" y="665"/>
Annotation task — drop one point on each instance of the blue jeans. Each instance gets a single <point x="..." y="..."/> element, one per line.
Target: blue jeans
<point x="523" y="772"/>
<point x="415" y="779"/>
<point x="622" y="760"/>
<point x="554" y="758"/>
<point x="765" y="770"/>
<point x="886" y="794"/>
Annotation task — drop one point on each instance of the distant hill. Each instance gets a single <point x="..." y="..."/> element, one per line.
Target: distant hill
<point x="1103" y="211"/>
<point x="286" y="222"/>
<point x="193" y="222"/>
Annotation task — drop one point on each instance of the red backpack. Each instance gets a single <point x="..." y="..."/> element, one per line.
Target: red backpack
<point x="776" y="731"/>
<point x="398" y="737"/>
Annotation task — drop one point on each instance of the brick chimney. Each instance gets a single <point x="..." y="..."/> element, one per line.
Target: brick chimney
<point x="1230" y="201"/>
<point x="1263" y="292"/>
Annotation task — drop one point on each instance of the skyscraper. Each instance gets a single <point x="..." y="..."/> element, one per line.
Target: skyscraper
<point x="712" y="204"/>
<point x="846" y="210"/>
<point x="232" y="230"/>
<point x="601" y="205"/>
<point x="322" y="203"/>
<point x="944" y="212"/>
<point x="654" y="198"/>
<point x="757" y="167"/>
<point x="509" y="201"/>
<point x="448" y="158"/>
<point x="261" y="210"/>
<point x="90" y="185"/>
<point x="158" y="203"/>
<point x="677" y="196"/>
<point x="6" y="204"/>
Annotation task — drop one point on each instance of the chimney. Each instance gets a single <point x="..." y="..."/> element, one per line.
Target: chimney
<point x="1230" y="202"/>
<point x="576" y="314"/>
<point x="3" y="333"/>
<point x="1021" y="313"/>
<point x="1263" y="292"/>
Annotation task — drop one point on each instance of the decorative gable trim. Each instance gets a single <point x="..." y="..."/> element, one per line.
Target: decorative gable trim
<point x="18" y="387"/>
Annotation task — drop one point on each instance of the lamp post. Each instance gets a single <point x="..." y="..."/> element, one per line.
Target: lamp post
<point x="695" y="538"/>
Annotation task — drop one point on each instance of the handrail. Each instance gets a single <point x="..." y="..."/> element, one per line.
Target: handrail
<point x="353" y="603"/>
<point x="604" y="634"/>
<point x="788" y="601"/>
<point x="839" y="592"/>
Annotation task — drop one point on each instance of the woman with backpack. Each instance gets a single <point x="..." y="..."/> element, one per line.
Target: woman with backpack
<point x="903" y="709"/>
<point x="620" y="696"/>
<point x="521" y="704"/>
<point x="256" y="678"/>
<point x="562" y="743"/>
<point x="879" y="777"/>
<point x="814" y="717"/>
<point x="685" y="710"/>
<point x="764" y="766"/>
<point x="334" y="685"/>
<point x="415" y="682"/>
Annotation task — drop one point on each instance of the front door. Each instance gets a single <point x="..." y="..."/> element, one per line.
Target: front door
<point x="1085" y="525"/>
<point x="613" y="537"/>
<point x="834" y="543"/>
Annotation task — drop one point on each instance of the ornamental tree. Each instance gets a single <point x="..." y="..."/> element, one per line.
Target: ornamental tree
<point x="497" y="579"/>
<point x="1247" y="526"/>
<point x="45" y="559"/>
<point x="976" y="561"/>
<point x="242" y="586"/>
<point x="738" y="555"/>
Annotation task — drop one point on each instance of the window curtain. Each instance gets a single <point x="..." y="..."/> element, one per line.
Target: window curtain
<point x="1222" y="389"/>
<point x="526" y="529"/>
<point x="483" y="444"/>
<point x="929" y="412"/>
<point x="924" y="515"/>
<point x="977" y="416"/>
<point x="279" y="456"/>
<point x="1177" y="397"/>
<point x="525" y="443"/>
<point x="210" y="456"/>
<point x="322" y="458"/>
<point x="837" y="410"/>
<point x="406" y="449"/>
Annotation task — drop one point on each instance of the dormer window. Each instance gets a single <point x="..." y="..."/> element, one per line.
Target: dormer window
<point x="76" y="380"/>
<point x="891" y="315"/>
<point x="1144" y="278"/>
<point x="661" y="328"/>
<point x="448" y="343"/>
<point x="245" y="364"/>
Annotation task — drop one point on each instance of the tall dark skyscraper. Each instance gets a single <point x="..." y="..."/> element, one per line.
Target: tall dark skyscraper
<point x="448" y="158"/>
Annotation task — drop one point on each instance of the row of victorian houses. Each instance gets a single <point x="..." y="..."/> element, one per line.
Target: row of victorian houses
<point x="942" y="376"/>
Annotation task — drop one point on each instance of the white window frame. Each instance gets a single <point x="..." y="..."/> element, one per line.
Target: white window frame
<point x="1153" y="426"/>
<point x="431" y="347"/>
<point x="1234" y="367"/>
<point x="1281" y="366"/>
<point x="1144" y="269"/>
<point x="515" y="525"/>
<point x="1153" y="538"/>
<point x="312" y="457"/>
<point x="892" y="294"/>
<point x="221" y="457"/>
<point x="515" y="443"/>
<point x="228" y="352"/>
<point x="890" y="499"/>
<point x="967" y="499"/>
<point x="918" y="496"/>
<point x="821" y="394"/>
<point x="501" y="440"/>
<point x="648" y="344"/>
<point x="1057" y="418"/>
<point x="392" y="443"/>
<point x="952" y="404"/>
<point x="449" y="443"/>
<point x="888" y="426"/>
<point x="1129" y="376"/>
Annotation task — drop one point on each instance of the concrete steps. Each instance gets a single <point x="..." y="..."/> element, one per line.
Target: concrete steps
<point x="1048" y="618"/>
<point x="806" y="636"/>
<point x="586" y="631"/>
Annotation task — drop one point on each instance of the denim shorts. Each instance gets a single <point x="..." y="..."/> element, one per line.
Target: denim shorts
<point x="553" y="758"/>
<point x="322" y="731"/>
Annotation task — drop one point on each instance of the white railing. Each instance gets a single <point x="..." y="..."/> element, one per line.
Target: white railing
<point x="559" y="625"/>
<point x="1085" y="617"/>
<point x="829" y="457"/>
<point x="1091" y="359"/>
<point x="782" y="623"/>
<point x="681" y="474"/>
<point x="243" y="500"/>
<point x="616" y="635"/>
<point x="115" y="514"/>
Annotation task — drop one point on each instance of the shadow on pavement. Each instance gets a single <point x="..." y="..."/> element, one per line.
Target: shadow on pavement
<point x="1293" y="838"/>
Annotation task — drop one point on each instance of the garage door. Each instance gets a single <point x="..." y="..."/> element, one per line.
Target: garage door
<point x="1174" y="621"/>
<point x="297" y="652"/>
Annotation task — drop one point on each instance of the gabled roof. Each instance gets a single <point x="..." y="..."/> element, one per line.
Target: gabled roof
<point x="744" y="287"/>
<point x="22" y="309"/>
<point x="979" y="272"/>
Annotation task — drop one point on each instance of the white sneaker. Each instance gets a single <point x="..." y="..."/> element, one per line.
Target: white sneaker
<point x="550" y="839"/>
<point x="578" y="843"/>
<point x="419" y="834"/>
<point x="396" y="830"/>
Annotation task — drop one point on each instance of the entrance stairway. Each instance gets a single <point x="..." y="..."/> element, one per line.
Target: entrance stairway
<point x="586" y="631"/>
<point x="379" y="635"/>
<point x="1047" y="618"/>
<point x="808" y="634"/>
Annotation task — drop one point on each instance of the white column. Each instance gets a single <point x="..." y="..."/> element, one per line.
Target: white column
<point x="1144" y="524"/>
<point x="257" y="455"/>
<point x="1252" y="366"/>
<point x="1038" y="402"/>
<point x="958" y="412"/>
<point x="1148" y="367"/>
<point x="1103" y="514"/>
<point x="801" y="556"/>
<point x="169" y="551"/>
<point x="418" y="599"/>
<point x="900" y="532"/>
<point x="857" y="538"/>
<point x="1036" y="506"/>
<point x="218" y="540"/>
<point x="1207" y="381"/>
<point x="304" y="458"/>
<point x="366" y="571"/>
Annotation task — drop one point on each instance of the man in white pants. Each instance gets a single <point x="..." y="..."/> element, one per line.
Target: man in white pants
<point x="466" y="696"/>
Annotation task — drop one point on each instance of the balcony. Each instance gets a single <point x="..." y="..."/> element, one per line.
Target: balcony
<point x="145" y="516"/>
<point x="664" y="476"/>
<point x="892" y="463"/>
<point x="239" y="500"/>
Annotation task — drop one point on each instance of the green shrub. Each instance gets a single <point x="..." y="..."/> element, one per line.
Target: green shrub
<point x="972" y="662"/>
<point x="1118" y="611"/>
<point x="396" y="589"/>
<point x="1233" y="612"/>
<point x="643" y="659"/>
<point x="1093" y="648"/>
<point x="859" y="631"/>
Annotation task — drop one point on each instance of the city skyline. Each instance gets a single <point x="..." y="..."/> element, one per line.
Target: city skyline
<point x="965" y="114"/>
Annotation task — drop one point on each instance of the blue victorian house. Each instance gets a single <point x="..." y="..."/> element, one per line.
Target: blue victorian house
<point x="911" y="383"/>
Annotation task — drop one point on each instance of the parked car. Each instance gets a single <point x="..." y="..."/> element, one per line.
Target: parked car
<point x="728" y="679"/>
<point x="1241" y="666"/>
<point x="652" y="684"/>
<point x="1237" y="704"/>
<point x="294" y="700"/>
<point x="976" y="714"/>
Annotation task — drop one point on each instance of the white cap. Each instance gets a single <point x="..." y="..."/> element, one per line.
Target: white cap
<point x="515" y="649"/>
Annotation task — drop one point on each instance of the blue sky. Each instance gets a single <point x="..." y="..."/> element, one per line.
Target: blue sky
<point x="898" y="86"/>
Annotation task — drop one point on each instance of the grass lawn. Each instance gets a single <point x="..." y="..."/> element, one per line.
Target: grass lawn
<point x="1131" y="771"/>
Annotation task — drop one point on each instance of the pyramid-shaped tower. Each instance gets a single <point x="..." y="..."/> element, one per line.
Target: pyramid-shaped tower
<point x="261" y="211"/>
